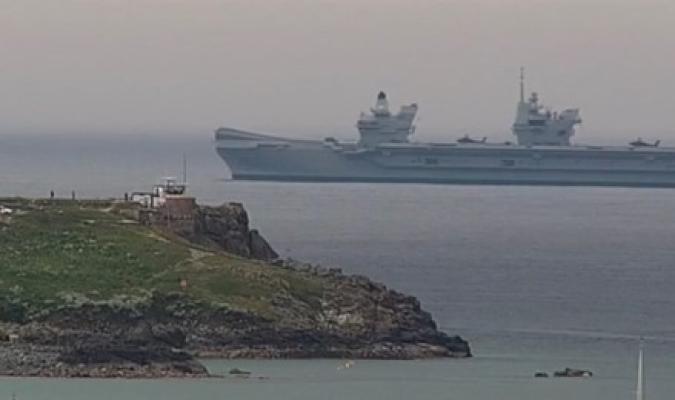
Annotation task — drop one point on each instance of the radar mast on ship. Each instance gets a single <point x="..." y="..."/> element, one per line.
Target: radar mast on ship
<point x="381" y="106"/>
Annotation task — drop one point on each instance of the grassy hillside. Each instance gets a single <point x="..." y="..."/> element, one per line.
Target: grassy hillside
<point x="87" y="272"/>
<point x="54" y="252"/>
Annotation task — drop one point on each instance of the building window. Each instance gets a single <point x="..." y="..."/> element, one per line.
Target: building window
<point x="508" y="163"/>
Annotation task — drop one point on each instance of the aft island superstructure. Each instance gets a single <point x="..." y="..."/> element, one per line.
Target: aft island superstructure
<point x="542" y="155"/>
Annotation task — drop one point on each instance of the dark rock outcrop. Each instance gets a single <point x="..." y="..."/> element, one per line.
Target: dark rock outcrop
<point x="122" y="355"/>
<point x="260" y="248"/>
<point x="573" y="373"/>
<point x="227" y="226"/>
<point x="103" y="360"/>
<point x="170" y="335"/>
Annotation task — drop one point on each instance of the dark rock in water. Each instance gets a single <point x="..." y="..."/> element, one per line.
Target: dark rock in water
<point x="237" y="371"/>
<point x="573" y="373"/>
<point x="541" y="375"/>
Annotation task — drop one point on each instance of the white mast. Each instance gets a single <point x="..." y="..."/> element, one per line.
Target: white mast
<point x="639" y="392"/>
<point x="184" y="169"/>
<point x="522" y="84"/>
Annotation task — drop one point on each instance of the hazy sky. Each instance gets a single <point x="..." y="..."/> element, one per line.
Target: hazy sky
<point x="307" y="68"/>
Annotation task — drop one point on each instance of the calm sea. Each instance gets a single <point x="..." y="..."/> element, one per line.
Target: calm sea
<point x="536" y="278"/>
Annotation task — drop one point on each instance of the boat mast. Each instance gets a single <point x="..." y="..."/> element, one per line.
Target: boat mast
<point x="522" y="84"/>
<point x="639" y="392"/>
<point x="184" y="169"/>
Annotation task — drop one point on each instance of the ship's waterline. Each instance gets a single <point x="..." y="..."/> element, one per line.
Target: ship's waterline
<point x="320" y="165"/>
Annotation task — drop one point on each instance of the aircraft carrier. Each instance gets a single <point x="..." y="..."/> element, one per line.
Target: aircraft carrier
<point x="542" y="155"/>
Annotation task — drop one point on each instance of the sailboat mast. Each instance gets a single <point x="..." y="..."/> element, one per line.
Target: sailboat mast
<point x="184" y="169"/>
<point x="522" y="84"/>
<point x="639" y="392"/>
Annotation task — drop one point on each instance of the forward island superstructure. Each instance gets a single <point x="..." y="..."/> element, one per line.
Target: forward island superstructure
<point x="542" y="155"/>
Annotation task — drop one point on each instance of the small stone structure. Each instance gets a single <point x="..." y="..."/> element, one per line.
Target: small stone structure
<point x="176" y="213"/>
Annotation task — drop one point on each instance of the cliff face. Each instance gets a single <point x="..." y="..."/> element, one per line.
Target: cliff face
<point x="223" y="228"/>
<point x="227" y="226"/>
<point x="85" y="291"/>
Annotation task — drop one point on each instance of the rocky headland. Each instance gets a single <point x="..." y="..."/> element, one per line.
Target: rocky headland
<point x="104" y="289"/>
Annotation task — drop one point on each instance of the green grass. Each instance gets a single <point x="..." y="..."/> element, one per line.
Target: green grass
<point x="52" y="250"/>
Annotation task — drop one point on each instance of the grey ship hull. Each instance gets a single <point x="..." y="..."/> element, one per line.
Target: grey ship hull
<point x="261" y="157"/>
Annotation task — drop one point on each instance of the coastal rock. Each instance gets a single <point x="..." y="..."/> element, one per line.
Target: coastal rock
<point x="120" y="354"/>
<point x="171" y="335"/>
<point x="237" y="371"/>
<point x="573" y="373"/>
<point x="228" y="227"/>
<point x="97" y="361"/>
<point x="354" y="318"/>
<point x="260" y="248"/>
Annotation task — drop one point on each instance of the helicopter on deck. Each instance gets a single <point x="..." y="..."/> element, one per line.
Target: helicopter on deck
<point x="466" y="139"/>
<point x="641" y="143"/>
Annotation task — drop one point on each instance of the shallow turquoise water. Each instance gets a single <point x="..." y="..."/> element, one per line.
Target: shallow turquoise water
<point x="486" y="377"/>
